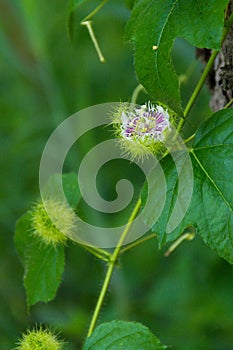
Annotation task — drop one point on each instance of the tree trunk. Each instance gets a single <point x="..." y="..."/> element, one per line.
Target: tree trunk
<point x="220" y="80"/>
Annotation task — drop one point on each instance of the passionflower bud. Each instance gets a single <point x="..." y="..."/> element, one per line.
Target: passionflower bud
<point x="52" y="221"/>
<point x="142" y="130"/>
<point x="39" y="339"/>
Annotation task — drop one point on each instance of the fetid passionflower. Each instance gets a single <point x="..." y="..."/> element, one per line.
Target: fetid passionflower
<point x="52" y="221"/>
<point x="142" y="129"/>
<point x="39" y="339"/>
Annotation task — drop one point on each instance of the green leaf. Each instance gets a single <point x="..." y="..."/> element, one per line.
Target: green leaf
<point x="43" y="264"/>
<point x="23" y="226"/>
<point x="117" y="335"/>
<point x="158" y="23"/>
<point x="211" y="207"/>
<point x="70" y="188"/>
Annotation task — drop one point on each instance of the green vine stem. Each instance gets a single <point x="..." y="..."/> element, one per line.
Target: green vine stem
<point x="185" y="236"/>
<point x="193" y="135"/>
<point x="229" y="104"/>
<point x="98" y="252"/>
<point x="198" y="88"/>
<point x="87" y="22"/>
<point x="138" y="242"/>
<point x="190" y="138"/>
<point x="112" y="263"/>
<point x="95" y="11"/>
<point x="204" y="75"/>
<point x="136" y="93"/>
<point x="114" y="256"/>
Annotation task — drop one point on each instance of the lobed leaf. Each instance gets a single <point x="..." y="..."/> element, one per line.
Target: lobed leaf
<point x="153" y="27"/>
<point x="211" y="207"/>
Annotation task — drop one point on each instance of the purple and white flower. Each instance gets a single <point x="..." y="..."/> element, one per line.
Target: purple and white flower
<point x="146" y="124"/>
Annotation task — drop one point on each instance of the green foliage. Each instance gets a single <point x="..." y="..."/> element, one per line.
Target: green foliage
<point x="210" y="210"/>
<point x="43" y="263"/>
<point x="41" y="73"/>
<point x="156" y="23"/>
<point x="117" y="335"/>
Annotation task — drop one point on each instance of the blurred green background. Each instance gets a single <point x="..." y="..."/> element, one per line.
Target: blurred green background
<point x="185" y="299"/>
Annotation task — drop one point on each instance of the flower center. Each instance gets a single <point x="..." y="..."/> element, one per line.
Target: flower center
<point x="146" y="123"/>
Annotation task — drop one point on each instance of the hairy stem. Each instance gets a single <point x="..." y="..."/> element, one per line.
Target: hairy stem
<point x="114" y="256"/>
<point x="88" y="24"/>
<point x="204" y="75"/>
<point x="185" y="236"/>
<point x="98" y="252"/>
<point x="138" y="242"/>
<point x="94" y="12"/>
<point x="198" y="88"/>
<point x="229" y="104"/>
<point x="136" y="93"/>
<point x="112" y="263"/>
<point x="190" y="138"/>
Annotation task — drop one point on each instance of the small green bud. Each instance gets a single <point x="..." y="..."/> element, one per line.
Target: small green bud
<point x="55" y="227"/>
<point x="39" y="339"/>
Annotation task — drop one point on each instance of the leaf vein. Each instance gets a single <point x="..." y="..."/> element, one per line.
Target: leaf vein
<point x="159" y="79"/>
<point x="211" y="180"/>
<point x="214" y="146"/>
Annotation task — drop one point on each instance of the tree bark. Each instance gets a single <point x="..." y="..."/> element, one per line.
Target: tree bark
<point x="220" y="80"/>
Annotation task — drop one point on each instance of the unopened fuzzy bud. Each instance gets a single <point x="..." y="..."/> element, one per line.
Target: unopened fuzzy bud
<point x="52" y="221"/>
<point x="39" y="339"/>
